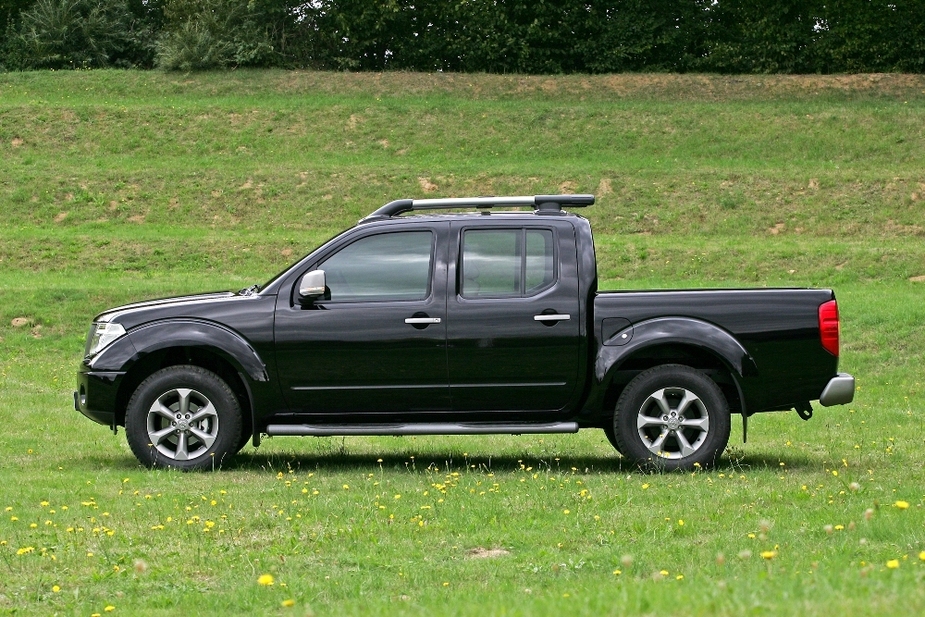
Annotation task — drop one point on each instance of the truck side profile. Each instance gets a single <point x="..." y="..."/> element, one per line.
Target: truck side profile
<point x="460" y="323"/>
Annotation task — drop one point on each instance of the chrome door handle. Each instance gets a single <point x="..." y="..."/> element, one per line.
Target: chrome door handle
<point x="422" y="320"/>
<point x="553" y="317"/>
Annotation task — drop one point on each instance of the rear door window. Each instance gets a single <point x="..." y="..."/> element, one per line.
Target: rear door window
<point x="506" y="263"/>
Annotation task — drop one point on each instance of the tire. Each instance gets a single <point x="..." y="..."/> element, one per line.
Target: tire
<point x="672" y="417"/>
<point x="612" y="437"/>
<point x="183" y="417"/>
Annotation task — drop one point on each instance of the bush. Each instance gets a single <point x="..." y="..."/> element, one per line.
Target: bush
<point x="208" y="34"/>
<point x="62" y="34"/>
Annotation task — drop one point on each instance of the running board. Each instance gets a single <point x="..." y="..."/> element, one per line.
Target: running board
<point x="428" y="428"/>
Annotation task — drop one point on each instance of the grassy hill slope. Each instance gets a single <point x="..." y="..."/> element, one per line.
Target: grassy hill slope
<point x="116" y="186"/>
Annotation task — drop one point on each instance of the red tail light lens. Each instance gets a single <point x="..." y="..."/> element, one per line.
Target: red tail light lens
<point x="828" y="326"/>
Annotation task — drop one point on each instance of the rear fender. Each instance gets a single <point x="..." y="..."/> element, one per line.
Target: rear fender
<point x="672" y="330"/>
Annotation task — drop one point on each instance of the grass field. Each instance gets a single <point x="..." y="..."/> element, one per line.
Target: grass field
<point x="116" y="186"/>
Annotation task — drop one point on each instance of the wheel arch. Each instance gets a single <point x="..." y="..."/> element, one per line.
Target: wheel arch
<point x="208" y="346"/>
<point x="675" y="340"/>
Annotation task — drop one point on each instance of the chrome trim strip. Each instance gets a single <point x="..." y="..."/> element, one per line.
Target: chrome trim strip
<point x="433" y="386"/>
<point x="382" y="387"/>
<point x="558" y="384"/>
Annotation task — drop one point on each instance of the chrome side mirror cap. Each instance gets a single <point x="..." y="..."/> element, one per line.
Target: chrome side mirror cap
<point x="313" y="287"/>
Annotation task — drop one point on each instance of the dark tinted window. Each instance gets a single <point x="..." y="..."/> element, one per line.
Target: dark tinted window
<point x="393" y="266"/>
<point x="506" y="263"/>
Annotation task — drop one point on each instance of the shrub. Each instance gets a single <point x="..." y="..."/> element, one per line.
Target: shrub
<point x="206" y="34"/>
<point x="60" y="34"/>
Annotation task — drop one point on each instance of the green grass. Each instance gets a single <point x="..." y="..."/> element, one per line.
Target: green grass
<point x="117" y="186"/>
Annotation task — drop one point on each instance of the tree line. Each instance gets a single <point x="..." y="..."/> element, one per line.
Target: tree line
<point x="495" y="36"/>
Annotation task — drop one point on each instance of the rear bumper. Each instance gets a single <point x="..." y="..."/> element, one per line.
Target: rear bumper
<point x="839" y="391"/>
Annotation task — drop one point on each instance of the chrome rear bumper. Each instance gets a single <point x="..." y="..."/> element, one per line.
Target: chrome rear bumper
<point x="839" y="391"/>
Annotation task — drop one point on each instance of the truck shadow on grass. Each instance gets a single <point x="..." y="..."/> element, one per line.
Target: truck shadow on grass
<point x="449" y="462"/>
<point x="440" y="462"/>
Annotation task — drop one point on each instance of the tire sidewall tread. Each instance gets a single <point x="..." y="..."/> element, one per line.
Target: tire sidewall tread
<point x="664" y="376"/>
<point x="209" y="385"/>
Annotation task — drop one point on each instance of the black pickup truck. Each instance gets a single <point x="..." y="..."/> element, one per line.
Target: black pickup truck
<point x="469" y="322"/>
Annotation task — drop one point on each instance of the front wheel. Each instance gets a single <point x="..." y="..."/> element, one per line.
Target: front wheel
<point x="672" y="417"/>
<point x="183" y="417"/>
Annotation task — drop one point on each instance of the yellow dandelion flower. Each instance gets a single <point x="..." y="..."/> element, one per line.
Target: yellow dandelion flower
<point x="902" y="505"/>
<point x="617" y="572"/>
<point x="288" y="603"/>
<point x="922" y="556"/>
<point x="265" y="579"/>
<point x="768" y="554"/>
<point x="109" y="608"/>
<point x="55" y="589"/>
<point x="892" y="564"/>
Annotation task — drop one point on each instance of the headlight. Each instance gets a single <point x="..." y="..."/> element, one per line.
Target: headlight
<point x="101" y="335"/>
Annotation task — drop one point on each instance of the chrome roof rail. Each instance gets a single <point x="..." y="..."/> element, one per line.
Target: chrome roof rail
<point x="543" y="204"/>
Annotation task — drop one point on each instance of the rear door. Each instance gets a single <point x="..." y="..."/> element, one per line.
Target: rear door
<point x="513" y="315"/>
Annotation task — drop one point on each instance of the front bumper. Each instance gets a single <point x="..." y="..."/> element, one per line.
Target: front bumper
<point x="839" y="391"/>
<point x="96" y="395"/>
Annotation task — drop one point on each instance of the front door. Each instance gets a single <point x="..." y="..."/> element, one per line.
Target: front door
<point x="379" y="343"/>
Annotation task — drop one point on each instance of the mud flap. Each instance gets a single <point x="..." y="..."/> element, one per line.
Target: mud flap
<point x="805" y="410"/>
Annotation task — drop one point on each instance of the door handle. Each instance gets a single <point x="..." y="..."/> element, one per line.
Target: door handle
<point x="552" y="317"/>
<point x="426" y="321"/>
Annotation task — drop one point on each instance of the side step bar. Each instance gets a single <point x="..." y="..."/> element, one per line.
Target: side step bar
<point x="429" y="428"/>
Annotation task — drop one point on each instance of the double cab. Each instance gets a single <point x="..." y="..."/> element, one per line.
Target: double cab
<point x="485" y="318"/>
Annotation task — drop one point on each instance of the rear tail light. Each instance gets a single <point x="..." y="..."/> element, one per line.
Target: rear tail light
<point x="828" y="326"/>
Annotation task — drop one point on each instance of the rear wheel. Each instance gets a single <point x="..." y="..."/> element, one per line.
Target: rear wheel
<point x="183" y="417"/>
<point x="672" y="417"/>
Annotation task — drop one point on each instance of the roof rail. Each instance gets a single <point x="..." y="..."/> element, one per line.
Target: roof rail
<point x="544" y="204"/>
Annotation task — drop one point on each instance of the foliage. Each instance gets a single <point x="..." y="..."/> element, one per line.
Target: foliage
<point x="60" y="34"/>
<point x="494" y="36"/>
<point x="879" y="36"/>
<point x="205" y="34"/>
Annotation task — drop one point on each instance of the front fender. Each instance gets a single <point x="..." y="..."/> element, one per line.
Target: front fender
<point x="152" y="337"/>
<point x="672" y="330"/>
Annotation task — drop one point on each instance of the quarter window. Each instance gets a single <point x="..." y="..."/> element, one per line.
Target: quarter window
<point x="393" y="266"/>
<point x="506" y="262"/>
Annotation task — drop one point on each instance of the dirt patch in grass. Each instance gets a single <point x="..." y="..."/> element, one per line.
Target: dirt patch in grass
<point x="486" y="553"/>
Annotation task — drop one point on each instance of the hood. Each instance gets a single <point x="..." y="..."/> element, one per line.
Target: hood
<point x="197" y="305"/>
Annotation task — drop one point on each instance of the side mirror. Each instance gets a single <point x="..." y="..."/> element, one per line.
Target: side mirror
<point x="312" y="287"/>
